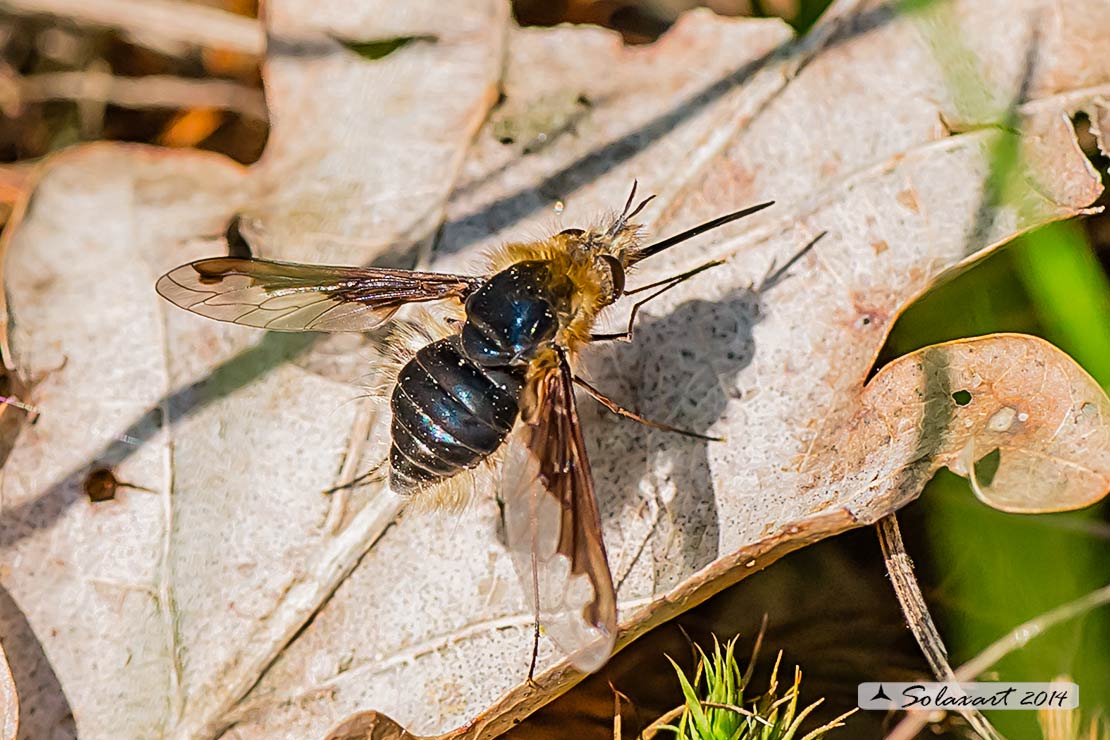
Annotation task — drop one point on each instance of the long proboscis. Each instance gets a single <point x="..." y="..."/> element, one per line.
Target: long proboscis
<point x="700" y="229"/>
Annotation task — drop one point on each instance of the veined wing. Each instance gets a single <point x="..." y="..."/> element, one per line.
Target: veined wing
<point x="552" y="526"/>
<point x="286" y="296"/>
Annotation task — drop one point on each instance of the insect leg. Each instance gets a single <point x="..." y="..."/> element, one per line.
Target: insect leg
<point x="619" y="411"/>
<point x="534" y="524"/>
<point x="775" y="274"/>
<point x="663" y="285"/>
<point x="373" y="475"/>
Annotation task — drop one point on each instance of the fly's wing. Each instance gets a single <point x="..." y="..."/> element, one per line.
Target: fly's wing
<point x="285" y="296"/>
<point x="552" y="526"/>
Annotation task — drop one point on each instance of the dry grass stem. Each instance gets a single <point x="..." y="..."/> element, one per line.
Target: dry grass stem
<point x="920" y="621"/>
<point x="1013" y="640"/>
<point x="164" y="25"/>
<point x="154" y="91"/>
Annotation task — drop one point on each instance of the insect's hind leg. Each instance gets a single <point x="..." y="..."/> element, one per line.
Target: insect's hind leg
<point x="620" y="411"/>
<point x="663" y="285"/>
<point x="375" y="474"/>
<point x="338" y="510"/>
<point x="536" y="615"/>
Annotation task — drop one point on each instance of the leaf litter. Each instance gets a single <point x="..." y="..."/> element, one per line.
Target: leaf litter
<point x="236" y="599"/>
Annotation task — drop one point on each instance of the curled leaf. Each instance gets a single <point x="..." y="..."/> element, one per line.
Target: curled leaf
<point x="369" y="726"/>
<point x="1007" y="406"/>
<point x="239" y="594"/>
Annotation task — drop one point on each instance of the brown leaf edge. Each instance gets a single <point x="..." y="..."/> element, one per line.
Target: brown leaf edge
<point x="369" y="726"/>
<point x="734" y="567"/>
<point x="722" y="573"/>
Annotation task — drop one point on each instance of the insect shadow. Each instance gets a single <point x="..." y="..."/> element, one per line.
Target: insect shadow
<point x="16" y="522"/>
<point x="49" y="715"/>
<point x="681" y="369"/>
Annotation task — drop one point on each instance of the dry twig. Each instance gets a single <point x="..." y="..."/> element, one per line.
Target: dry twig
<point x="900" y="568"/>
<point x="1015" y="639"/>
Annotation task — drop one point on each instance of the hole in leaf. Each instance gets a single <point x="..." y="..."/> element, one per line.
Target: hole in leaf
<point x="643" y="21"/>
<point x="237" y="244"/>
<point x="987" y="466"/>
<point x="381" y="48"/>
<point x="638" y="23"/>
<point x="1088" y="141"/>
<point x="962" y="398"/>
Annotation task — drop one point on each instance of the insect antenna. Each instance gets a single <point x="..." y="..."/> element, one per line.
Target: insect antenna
<point x="669" y="242"/>
<point x="627" y="214"/>
<point x="631" y="197"/>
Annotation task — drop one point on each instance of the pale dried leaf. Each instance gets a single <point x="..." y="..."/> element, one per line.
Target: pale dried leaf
<point x="953" y="404"/>
<point x="160" y="610"/>
<point x="9" y="701"/>
<point x="183" y="615"/>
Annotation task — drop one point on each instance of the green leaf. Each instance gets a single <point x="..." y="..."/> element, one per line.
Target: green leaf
<point x="693" y="704"/>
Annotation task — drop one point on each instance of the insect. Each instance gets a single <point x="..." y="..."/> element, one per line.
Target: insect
<point x="502" y="382"/>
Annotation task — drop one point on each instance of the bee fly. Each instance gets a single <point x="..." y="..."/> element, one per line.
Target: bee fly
<point x="507" y="371"/>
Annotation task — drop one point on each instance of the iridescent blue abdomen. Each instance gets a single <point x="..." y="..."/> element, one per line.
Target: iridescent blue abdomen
<point x="449" y="414"/>
<point x="458" y="398"/>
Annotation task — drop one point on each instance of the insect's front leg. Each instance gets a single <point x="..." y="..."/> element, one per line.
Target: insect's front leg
<point x="663" y="285"/>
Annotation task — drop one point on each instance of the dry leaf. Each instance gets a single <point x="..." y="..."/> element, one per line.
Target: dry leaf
<point x="9" y="701"/>
<point x="237" y="597"/>
<point x="369" y="726"/>
<point x="957" y="404"/>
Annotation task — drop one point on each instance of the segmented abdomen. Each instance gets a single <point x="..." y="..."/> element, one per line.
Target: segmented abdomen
<point x="449" y="414"/>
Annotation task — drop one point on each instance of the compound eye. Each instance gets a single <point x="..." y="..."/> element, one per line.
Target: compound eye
<point x="617" y="272"/>
<point x="571" y="232"/>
